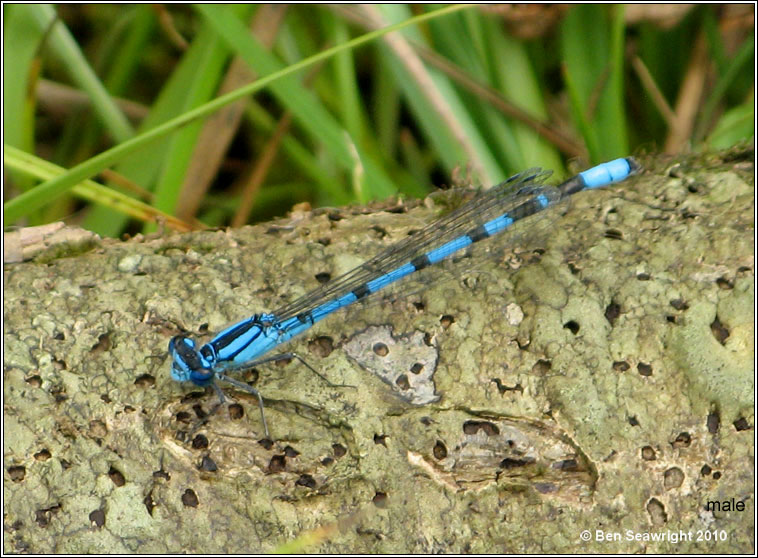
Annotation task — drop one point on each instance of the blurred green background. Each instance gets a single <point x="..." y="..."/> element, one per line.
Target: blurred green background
<point x="118" y="116"/>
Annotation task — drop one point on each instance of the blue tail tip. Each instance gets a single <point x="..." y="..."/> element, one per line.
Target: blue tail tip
<point x="610" y="172"/>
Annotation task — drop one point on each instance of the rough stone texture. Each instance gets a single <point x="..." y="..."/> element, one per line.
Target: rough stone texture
<point x="600" y="381"/>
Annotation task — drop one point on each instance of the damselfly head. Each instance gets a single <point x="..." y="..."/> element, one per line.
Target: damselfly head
<point x="186" y="358"/>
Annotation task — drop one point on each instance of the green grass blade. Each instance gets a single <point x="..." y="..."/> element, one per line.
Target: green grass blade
<point x="745" y="57"/>
<point x="736" y="125"/>
<point x="24" y="34"/>
<point x="592" y="45"/>
<point x="303" y="104"/>
<point x="89" y="190"/>
<point x="63" y="44"/>
<point x="45" y="192"/>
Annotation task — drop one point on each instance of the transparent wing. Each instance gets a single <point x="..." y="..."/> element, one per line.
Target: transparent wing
<point x="483" y="208"/>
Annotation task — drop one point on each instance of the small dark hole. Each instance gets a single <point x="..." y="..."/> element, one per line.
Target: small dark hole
<point x="321" y="346"/>
<point x="713" y="422"/>
<point x="251" y="376"/>
<point x="161" y="474"/>
<point x="683" y="440"/>
<point x="648" y="453"/>
<point x="657" y="511"/>
<point x="620" y="366"/>
<point x="417" y="368"/>
<point x="236" y="411"/>
<point x="500" y="387"/>
<point x="277" y="464"/>
<point x="290" y="452"/>
<point x="643" y="277"/>
<point x="572" y="326"/>
<point x="644" y="369"/>
<point x="719" y="331"/>
<point x="471" y="427"/>
<point x="446" y="321"/>
<point x="339" y="450"/>
<point x="633" y="421"/>
<point x="706" y="470"/>
<point x="189" y="499"/>
<point x="741" y="424"/>
<point x="380" y="349"/>
<point x="43" y="517"/>
<point x="103" y="344"/>
<point x="145" y="380"/>
<point x="149" y="502"/>
<point x="725" y="283"/>
<point x="402" y="382"/>
<point x="612" y="312"/>
<point x="200" y="442"/>
<point x="542" y="367"/>
<point x="116" y="477"/>
<point x="323" y="277"/>
<point x="34" y="381"/>
<point x="380" y="500"/>
<point x="716" y="475"/>
<point x="208" y="465"/>
<point x="42" y="455"/>
<point x="380" y="439"/>
<point x="17" y="473"/>
<point x="679" y="304"/>
<point x="307" y="481"/>
<point x="97" y="518"/>
<point x="439" y="451"/>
